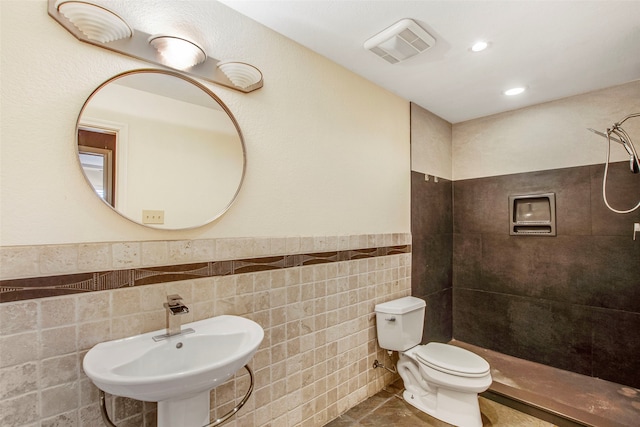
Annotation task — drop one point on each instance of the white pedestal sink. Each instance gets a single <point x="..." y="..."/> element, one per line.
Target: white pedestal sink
<point x="177" y="372"/>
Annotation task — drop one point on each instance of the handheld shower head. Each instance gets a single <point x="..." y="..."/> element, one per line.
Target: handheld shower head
<point x="634" y="166"/>
<point x="628" y="148"/>
<point x="604" y="135"/>
<point x="633" y="159"/>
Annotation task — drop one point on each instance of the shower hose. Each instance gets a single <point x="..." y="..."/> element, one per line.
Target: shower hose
<point x="625" y="140"/>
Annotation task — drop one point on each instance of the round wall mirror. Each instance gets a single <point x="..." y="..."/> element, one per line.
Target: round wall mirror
<point x="161" y="149"/>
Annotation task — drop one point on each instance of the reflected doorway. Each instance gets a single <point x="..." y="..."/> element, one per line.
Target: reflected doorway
<point x="97" y="151"/>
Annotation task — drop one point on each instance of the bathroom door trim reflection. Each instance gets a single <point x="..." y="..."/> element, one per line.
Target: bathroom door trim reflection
<point x="101" y="144"/>
<point x="120" y="131"/>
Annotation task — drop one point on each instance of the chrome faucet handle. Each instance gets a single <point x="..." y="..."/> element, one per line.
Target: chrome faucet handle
<point x="175" y="306"/>
<point x="174" y="299"/>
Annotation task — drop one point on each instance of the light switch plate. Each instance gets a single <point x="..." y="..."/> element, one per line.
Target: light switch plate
<point x="152" y="217"/>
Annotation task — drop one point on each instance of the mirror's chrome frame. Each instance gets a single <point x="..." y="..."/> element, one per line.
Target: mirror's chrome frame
<point x="208" y="92"/>
<point x="137" y="46"/>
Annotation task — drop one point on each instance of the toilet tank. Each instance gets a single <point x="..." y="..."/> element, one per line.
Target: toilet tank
<point x="399" y="323"/>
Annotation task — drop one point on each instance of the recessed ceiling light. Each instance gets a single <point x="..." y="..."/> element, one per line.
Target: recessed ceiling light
<point x="479" y="46"/>
<point x="514" y="91"/>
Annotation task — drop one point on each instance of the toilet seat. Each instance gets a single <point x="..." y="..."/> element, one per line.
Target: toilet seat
<point x="452" y="360"/>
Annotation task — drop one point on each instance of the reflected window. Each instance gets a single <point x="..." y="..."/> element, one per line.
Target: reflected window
<point x="96" y="151"/>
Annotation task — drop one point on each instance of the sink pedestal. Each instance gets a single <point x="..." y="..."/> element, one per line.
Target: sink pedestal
<point x="189" y="412"/>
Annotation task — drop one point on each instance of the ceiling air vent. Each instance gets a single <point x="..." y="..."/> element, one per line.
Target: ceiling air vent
<point x="400" y="41"/>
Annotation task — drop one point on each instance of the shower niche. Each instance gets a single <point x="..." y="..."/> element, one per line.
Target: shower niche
<point x="532" y="215"/>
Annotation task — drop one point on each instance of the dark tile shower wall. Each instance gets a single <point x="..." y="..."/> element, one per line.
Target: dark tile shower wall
<point x="432" y="249"/>
<point x="570" y="301"/>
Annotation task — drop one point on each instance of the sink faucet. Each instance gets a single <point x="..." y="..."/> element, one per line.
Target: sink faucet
<point x="174" y="308"/>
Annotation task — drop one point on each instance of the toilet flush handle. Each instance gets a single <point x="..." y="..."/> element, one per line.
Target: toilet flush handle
<point x="390" y="319"/>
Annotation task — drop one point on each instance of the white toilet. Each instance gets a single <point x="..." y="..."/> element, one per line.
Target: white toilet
<point x="439" y="379"/>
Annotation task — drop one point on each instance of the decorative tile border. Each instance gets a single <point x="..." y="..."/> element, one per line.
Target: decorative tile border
<point x="41" y="287"/>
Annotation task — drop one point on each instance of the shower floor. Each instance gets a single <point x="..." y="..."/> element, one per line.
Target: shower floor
<point x="538" y="389"/>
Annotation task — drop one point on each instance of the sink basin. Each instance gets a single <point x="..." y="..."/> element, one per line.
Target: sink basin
<point x="177" y="367"/>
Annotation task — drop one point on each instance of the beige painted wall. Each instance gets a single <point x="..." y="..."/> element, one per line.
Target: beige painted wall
<point x="542" y="137"/>
<point x="316" y="134"/>
<point x="545" y="136"/>
<point x="430" y="143"/>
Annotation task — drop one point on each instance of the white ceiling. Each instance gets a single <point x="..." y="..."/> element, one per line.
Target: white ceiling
<point x="554" y="48"/>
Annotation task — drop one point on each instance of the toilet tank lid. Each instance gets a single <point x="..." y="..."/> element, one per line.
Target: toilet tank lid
<point x="400" y="306"/>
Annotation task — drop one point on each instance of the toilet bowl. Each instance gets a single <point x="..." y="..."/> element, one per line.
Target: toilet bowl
<point x="439" y="379"/>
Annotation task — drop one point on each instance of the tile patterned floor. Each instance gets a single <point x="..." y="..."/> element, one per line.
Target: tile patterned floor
<point x="387" y="408"/>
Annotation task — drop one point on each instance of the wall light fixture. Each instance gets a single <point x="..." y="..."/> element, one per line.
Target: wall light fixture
<point x="178" y="52"/>
<point x="99" y="26"/>
<point x="95" y="22"/>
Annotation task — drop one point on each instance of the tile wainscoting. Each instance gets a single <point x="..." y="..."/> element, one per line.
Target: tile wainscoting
<point x="314" y="300"/>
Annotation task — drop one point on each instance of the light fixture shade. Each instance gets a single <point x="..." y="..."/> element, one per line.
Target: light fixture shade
<point x="95" y="22"/>
<point x="178" y="52"/>
<point x="400" y="41"/>
<point x="241" y="74"/>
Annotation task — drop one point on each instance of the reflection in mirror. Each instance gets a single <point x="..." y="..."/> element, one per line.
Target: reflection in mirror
<point x="98" y="168"/>
<point x="96" y="149"/>
<point x="167" y="145"/>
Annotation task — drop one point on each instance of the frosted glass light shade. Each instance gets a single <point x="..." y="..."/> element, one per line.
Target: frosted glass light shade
<point x="95" y="22"/>
<point x="241" y="74"/>
<point x="178" y="52"/>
